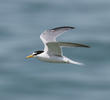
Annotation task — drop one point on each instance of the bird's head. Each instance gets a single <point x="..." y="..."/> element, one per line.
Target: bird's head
<point x="34" y="54"/>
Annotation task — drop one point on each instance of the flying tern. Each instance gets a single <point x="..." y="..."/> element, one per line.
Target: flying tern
<point x="52" y="49"/>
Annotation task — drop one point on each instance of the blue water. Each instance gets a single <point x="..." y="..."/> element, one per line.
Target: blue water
<point x="22" y="22"/>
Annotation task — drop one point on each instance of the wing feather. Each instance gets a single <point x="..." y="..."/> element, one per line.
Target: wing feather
<point x="69" y="44"/>
<point x="51" y="35"/>
<point x="54" y="48"/>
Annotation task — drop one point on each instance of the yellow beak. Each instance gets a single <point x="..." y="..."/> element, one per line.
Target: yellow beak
<point x="30" y="56"/>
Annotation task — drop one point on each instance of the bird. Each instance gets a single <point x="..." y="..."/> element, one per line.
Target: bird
<point x="53" y="49"/>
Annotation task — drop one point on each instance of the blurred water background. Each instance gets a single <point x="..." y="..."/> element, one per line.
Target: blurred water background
<point x="22" y="22"/>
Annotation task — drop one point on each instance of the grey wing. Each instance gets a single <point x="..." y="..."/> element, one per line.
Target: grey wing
<point x="51" y="34"/>
<point x="68" y="44"/>
<point x="54" y="49"/>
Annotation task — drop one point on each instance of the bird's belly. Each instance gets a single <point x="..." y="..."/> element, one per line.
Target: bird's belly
<point x="53" y="59"/>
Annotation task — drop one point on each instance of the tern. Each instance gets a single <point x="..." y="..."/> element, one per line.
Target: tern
<point x="52" y="49"/>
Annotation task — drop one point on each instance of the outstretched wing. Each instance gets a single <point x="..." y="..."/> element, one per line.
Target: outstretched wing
<point x="68" y="44"/>
<point x="54" y="48"/>
<point x="51" y="34"/>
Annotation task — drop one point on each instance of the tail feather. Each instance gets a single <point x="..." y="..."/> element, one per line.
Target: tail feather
<point x="74" y="62"/>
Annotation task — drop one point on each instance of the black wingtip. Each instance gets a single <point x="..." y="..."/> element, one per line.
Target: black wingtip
<point x="63" y="27"/>
<point x="82" y="45"/>
<point x="87" y="46"/>
<point x="72" y="27"/>
<point x="69" y="27"/>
